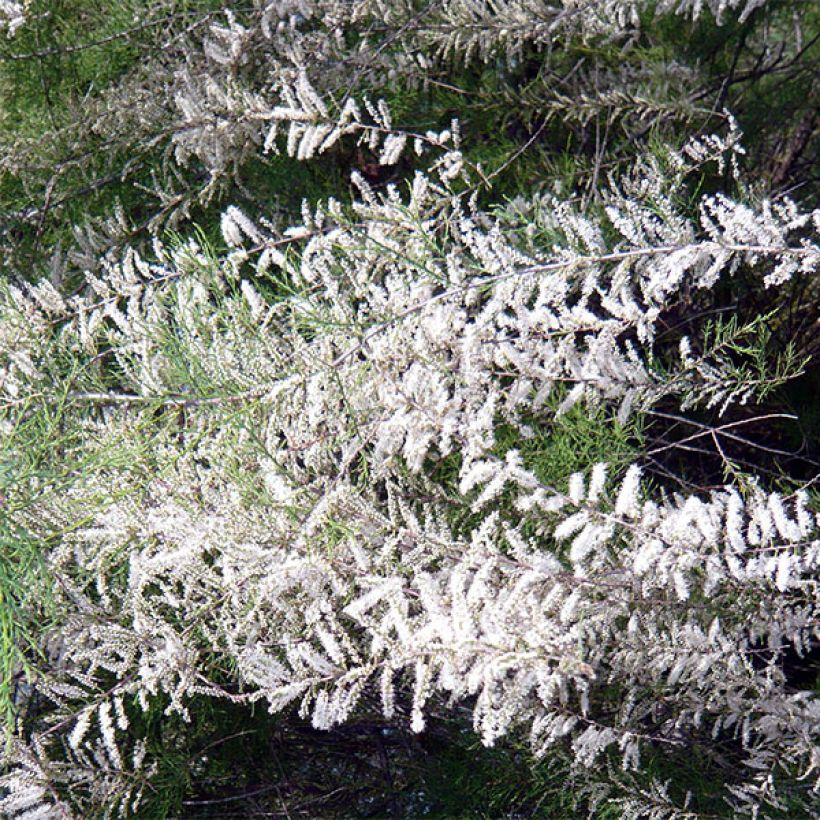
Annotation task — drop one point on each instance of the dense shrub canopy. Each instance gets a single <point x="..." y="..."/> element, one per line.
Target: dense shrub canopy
<point x="390" y="389"/>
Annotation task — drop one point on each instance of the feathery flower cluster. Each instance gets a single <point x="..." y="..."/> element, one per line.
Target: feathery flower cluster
<point x="416" y="328"/>
<point x="12" y="16"/>
<point x="307" y="496"/>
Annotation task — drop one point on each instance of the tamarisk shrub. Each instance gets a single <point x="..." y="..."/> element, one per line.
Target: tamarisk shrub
<point x="286" y="539"/>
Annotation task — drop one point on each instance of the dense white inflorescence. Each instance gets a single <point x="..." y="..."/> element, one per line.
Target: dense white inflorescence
<point x="417" y="326"/>
<point x="317" y="376"/>
<point x="12" y="16"/>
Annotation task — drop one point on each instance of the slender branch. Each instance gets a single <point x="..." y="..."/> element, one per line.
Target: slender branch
<point x="164" y="401"/>
<point x="118" y="35"/>
<point x="710" y="430"/>
<point x="575" y="262"/>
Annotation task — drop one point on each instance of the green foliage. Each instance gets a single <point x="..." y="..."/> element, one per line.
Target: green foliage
<point x="461" y="778"/>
